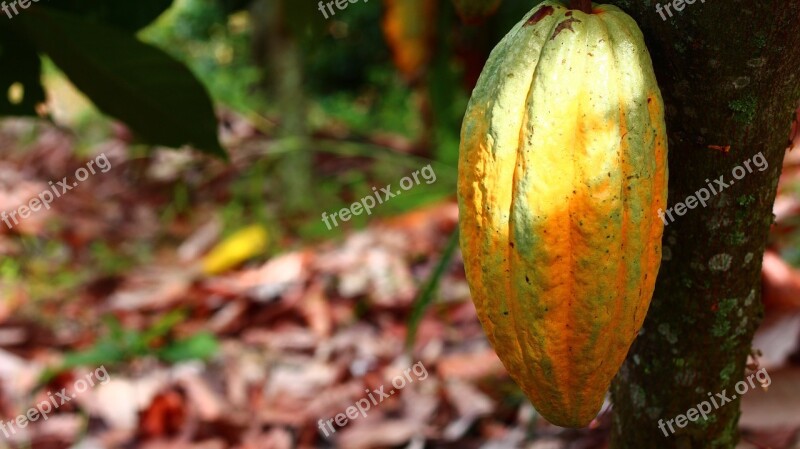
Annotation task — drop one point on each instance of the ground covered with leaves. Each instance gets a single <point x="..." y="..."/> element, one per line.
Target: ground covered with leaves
<point x="113" y="313"/>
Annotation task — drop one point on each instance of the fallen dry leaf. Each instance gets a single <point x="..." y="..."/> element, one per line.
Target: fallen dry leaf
<point x="776" y="407"/>
<point x="152" y="288"/>
<point x="165" y="416"/>
<point x="781" y="283"/>
<point x="470" y="366"/>
<point x="778" y="337"/>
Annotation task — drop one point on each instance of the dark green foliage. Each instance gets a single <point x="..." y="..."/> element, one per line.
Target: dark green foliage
<point x="124" y="345"/>
<point x="352" y="45"/>
<point x="130" y="16"/>
<point x="158" y="97"/>
<point x="19" y="63"/>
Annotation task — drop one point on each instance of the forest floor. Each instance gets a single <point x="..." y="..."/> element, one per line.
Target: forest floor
<point x="110" y="312"/>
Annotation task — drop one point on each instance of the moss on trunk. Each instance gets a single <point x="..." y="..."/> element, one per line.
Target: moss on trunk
<point x="728" y="73"/>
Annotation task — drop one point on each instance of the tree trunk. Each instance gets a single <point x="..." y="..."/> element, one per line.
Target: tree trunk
<point x="728" y="74"/>
<point x="280" y="54"/>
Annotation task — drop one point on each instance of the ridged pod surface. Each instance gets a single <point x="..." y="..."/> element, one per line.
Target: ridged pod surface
<point x="562" y="170"/>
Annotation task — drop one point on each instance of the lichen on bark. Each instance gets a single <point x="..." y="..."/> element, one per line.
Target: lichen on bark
<point x="727" y="75"/>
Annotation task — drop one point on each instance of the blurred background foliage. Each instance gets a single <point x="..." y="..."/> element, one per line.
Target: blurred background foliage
<point x="304" y="114"/>
<point x="383" y="82"/>
<point x="337" y="106"/>
<point x="343" y="104"/>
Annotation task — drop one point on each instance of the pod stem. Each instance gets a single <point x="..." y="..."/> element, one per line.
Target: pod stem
<point x="581" y="5"/>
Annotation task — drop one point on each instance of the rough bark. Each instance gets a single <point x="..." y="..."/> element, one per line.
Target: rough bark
<point x="728" y="73"/>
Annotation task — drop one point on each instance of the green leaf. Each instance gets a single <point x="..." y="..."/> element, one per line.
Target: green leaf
<point x="163" y="326"/>
<point x="128" y="16"/>
<point x="426" y="297"/>
<point x="116" y="333"/>
<point x="157" y="96"/>
<point x="199" y="346"/>
<point x="103" y="352"/>
<point x="21" y="68"/>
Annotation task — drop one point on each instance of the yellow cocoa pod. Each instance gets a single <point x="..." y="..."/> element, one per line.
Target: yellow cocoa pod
<point x="562" y="172"/>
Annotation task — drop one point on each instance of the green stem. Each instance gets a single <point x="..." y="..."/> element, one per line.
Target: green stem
<point x="427" y="295"/>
